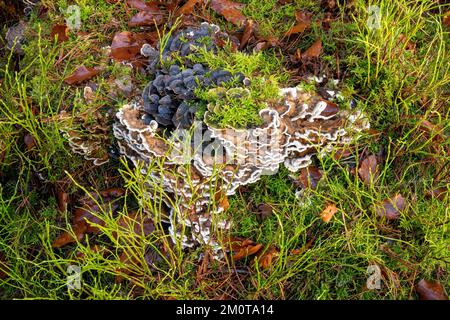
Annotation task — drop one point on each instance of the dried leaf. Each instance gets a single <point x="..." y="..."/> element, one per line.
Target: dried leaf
<point x="248" y="31"/>
<point x="231" y="11"/>
<point x="438" y="193"/>
<point x="138" y="223"/>
<point x="144" y="6"/>
<point x="265" y="258"/>
<point x="63" y="200"/>
<point x="61" y="32"/>
<point x="29" y="141"/>
<point x="431" y="290"/>
<point x="67" y="237"/>
<point x="391" y="208"/>
<point x="242" y="248"/>
<point x="313" y="51"/>
<point x="309" y="177"/>
<point x="188" y="7"/>
<point x="299" y="28"/>
<point x="264" y="211"/>
<point x="126" y="46"/>
<point x="446" y="19"/>
<point x="368" y="171"/>
<point x="328" y="212"/>
<point x="81" y="74"/>
<point x="144" y="18"/>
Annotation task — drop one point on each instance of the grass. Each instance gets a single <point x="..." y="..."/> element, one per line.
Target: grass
<point x="400" y="75"/>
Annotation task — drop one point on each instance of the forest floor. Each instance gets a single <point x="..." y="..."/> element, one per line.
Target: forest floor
<point x="375" y="226"/>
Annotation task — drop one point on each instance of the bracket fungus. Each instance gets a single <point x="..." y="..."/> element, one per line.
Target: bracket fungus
<point x="202" y="159"/>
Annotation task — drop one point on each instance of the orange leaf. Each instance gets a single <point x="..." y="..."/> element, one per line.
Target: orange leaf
<point x="298" y="28"/>
<point x="265" y="259"/>
<point x="187" y="7"/>
<point x="328" y="212"/>
<point x="66" y="237"/>
<point x="81" y="74"/>
<point x="60" y="31"/>
<point x="313" y="51"/>
<point x="231" y="11"/>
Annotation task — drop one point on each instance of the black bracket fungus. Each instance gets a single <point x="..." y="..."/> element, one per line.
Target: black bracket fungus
<point x="299" y="124"/>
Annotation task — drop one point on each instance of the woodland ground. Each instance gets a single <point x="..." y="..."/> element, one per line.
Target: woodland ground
<point x="399" y="73"/>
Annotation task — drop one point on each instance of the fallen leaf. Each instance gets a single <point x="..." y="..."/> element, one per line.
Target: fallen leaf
<point x="66" y="237"/>
<point x="144" y="6"/>
<point x="368" y="171"/>
<point x="265" y="258"/>
<point x="138" y="223"/>
<point x="144" y="18"/>
<point x="242" y="248"/>
<point x="248" y="31"/>
<point x="313" y="51"/>
<point x="222" y="200"/>
<point x="230" y="10"/>
<point x="438" y="193"/>
<point x="264" y="211"/>
<point x="63" y="200"/>
<point x="304" y="248"/>
<point x="298" y="28"/>
<point x="84" y="217"/>
<point x="61" y="32"/>
<point x="328" y="212"/>
<point x="81" y="74"/>
<point x="188" y="7"/>
<point x="431" y="290"/>
<point x="126" y="46"/>
<point x="446" y="19"/>
<point x="309" y="177"/>
<point x="391" y="208"/>
<point x="303" y="23"/>
<point x="29" y="141"/>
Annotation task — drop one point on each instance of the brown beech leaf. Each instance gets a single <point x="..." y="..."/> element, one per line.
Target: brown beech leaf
<point x="61" y="31"/>
<point x="81" y="74"/>
<point x="67" y="237"/>
<point x="29" y="141"/>
<point x="188" y="7"/>
<point x="265" y="258"/>
<point x="313" y="51"/>
<point x="126" y="46"/>
<point x="84" y="218"/>
<point x="222" y="200"/>
<point x="309" y="177"/>
<point x="438" y="193"/>
<point x="391" y="208"/>
<point x="368" y="171"/>
<point x="248" y="31"/>
<point x="431" y="290"/>
<point x="144" y="6"/>
<point x="264" y="211"/>
<point x="138" y="223"/>
<point x="446" y="19"/>
<point x="63" y="200"/>
<point x="303" y="23"/>
<point x="242" y="248"/>
<point x="328" y="212"/>
<point x="144" y="18"/>
<point x="230" y="10"/>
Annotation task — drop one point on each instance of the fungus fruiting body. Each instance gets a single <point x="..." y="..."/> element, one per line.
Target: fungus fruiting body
<point x="203" y="159"/>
